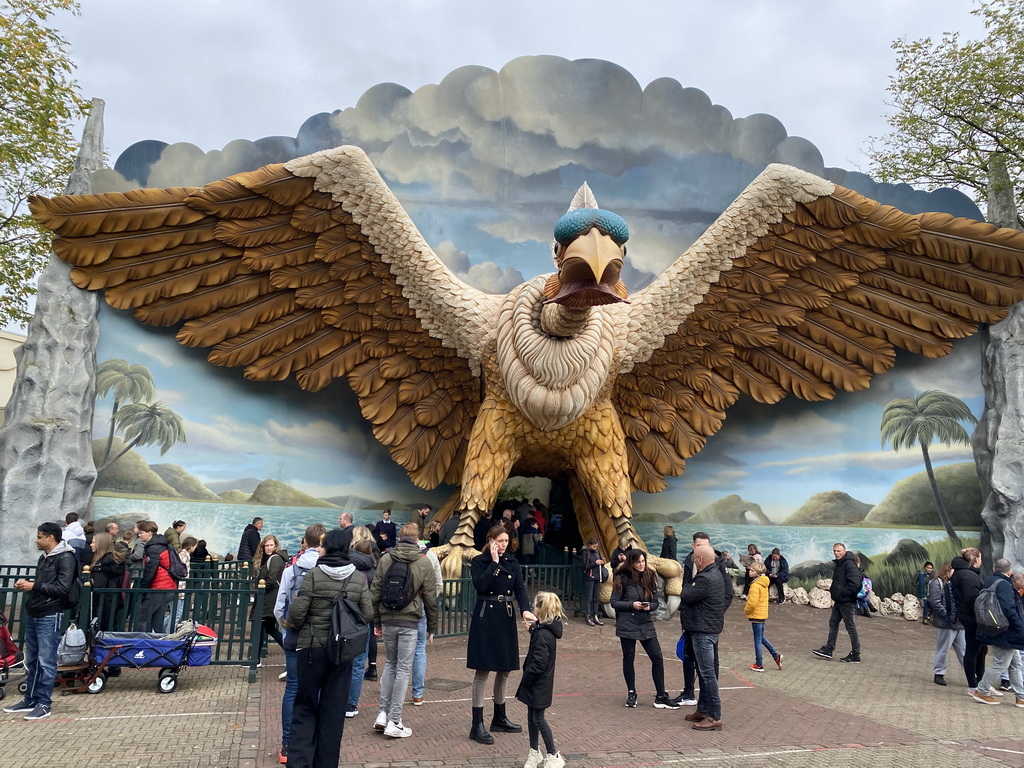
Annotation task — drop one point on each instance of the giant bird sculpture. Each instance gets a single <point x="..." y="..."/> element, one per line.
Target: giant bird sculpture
<point x="312" y="269"/>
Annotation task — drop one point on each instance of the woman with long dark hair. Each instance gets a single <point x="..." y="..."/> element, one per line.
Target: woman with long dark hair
<point x="493" y="644"/>
<point x="634" y="597"/>
<point x="966" y="584"/>
<point x="105" y="572"/>
<point x="268" y="565"/>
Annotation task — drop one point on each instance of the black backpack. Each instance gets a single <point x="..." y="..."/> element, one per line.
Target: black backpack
<point x="71" y="600"/>
<point x="989" y="613"/>
<point x="175" y="568"/>
<point x="347" y="637"/>
<point x="396" y="589"/>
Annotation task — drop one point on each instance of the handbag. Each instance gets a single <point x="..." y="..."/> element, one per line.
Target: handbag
<point x="602" y="573"/>
<point x="681" y="648"/>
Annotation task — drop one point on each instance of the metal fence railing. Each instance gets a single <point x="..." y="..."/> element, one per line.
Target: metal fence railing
<point x="225" y="597"/>
<point x="558" y="571"/>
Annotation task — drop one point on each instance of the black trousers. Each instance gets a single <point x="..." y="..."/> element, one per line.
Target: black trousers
<point x="653" y="650"/>
<point x="690" y="666"/>
<point x="974" y="654"/>
<point x="318" y="717"/>
<point x="538" y="728"/>
<point x="845" y="613"/>
<point x="151" y="613"/>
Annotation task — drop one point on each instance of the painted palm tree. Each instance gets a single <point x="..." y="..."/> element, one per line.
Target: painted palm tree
<point x="148" y="424"/>
<point x="129" y="383"/>
<point x="932" y="416"/>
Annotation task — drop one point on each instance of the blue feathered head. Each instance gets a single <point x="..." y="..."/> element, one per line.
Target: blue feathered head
<point x="582" y="220"/>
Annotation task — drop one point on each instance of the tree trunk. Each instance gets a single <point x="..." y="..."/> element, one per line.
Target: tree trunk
<point x="939" y="504"/>
<point x="46" y="465"/>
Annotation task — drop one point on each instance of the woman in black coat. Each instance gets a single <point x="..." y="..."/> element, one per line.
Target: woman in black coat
<point x="106" y="572"/>
<point x="670" y="545"/>
<point x="594" y="573"/>
<point x="634" y="596"/>
<point x="493" y="644"/>
<point x="965" y="585"/>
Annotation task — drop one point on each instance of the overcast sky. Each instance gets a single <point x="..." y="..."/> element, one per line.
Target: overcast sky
<point x="209" y="72"/>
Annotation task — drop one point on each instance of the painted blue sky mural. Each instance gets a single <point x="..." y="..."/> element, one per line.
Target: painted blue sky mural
<point x="485" y="162"/>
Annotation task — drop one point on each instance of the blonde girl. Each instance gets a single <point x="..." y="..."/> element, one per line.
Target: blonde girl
<point x="537" y="686"/>
<point x="756" y="610"/>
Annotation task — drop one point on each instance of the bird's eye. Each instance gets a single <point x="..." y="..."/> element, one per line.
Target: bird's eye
<point x="623" y="251"/>
<point x="557" y="248"/>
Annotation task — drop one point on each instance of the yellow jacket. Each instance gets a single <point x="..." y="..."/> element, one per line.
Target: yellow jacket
<point x="757" y="599"/>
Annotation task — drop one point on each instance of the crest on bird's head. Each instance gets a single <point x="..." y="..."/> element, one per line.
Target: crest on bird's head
<point x="589" y="248"/>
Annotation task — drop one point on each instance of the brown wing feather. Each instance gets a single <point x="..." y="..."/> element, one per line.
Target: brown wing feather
<point x="276" y="276"/>
<point x="817" y="304"/>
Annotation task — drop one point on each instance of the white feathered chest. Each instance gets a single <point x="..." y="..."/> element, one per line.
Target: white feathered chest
<point x="552" y="381"/>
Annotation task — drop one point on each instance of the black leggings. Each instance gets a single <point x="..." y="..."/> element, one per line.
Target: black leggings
<point x="538" y="727"/>
<point x="270" y="629"/>
<point x="653" y="651"/>
<point x="974" y="654"/>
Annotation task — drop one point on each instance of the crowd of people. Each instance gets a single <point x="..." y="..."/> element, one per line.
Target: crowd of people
<point x="390" y="577"/>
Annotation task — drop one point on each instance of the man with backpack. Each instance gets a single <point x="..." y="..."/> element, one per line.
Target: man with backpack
<point x="291" y="580"/>
<point x="403" y="588"/>
<point x="1005" y="644"/>
<point x="54" y="590"/>
<point x="157" y="575"/>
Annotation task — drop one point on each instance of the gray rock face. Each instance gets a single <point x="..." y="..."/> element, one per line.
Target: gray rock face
<point x="998" y="439"/>
<point x="46" y="467"/>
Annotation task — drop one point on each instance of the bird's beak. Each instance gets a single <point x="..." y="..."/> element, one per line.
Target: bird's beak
<point x="589" y="272"/>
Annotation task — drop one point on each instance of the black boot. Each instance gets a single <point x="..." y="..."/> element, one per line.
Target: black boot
<point x="501" y="723"/>
<point x="478" y="732"/>
<point x="590" y="621"/>
<point x="597" y="619"/>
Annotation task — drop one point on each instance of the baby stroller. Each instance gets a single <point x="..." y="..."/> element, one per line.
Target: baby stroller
<point x="10" y="656"/>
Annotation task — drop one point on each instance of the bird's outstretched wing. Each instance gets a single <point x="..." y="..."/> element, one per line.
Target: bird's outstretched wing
<point x="800" y="287"/>
<point x="309" y="269"/>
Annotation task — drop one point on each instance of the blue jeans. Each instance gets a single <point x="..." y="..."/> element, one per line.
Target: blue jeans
<point x="355" y="689"/>
<point x="759" y="640"/>
<point x="399" y="648"/>
<point x="291" y="687"/>
<point x="42" y="634"/>
<point x="419" y="660"/>
<point x="704" y="647"/>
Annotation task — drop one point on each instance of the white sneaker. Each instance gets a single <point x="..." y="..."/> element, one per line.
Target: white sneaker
<point x="399" y="731"/>
<point x="995" y="692"/>
<point x="381" y="722"/>
<point x="534" y="759"/>
<point x="554" y="761"/>
<point x="283" y="675"/>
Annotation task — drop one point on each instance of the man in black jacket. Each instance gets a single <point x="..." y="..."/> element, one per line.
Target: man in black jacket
<point x="250" y="541"/>
<point x="56" y="573"/>
<point x="687" y="696"/>
<point x="702" y="607"/>
<point x="846" y="583"/>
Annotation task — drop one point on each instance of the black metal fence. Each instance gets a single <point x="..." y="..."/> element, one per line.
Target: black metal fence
<point x="226" y="598"/>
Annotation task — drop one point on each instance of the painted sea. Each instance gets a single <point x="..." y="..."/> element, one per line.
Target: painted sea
<point x="221" y="525"/>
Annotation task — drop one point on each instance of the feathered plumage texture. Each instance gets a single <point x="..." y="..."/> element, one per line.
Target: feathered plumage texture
<point x="312" y="269"/>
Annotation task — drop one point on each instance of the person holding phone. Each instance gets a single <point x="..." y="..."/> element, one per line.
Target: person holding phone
<point x="493" y="644"/>
<point x="634" y="596"/>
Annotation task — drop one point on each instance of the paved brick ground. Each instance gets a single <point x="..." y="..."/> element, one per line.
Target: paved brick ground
<point x="884" y="712"/>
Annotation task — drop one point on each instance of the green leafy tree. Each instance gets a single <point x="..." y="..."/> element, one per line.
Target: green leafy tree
<point x="959" y="106"/>
<point x="932" y="416"/>
<point x="39" y="100"/>
<point x="129" y="383"/>
<point x="148" y="424"/>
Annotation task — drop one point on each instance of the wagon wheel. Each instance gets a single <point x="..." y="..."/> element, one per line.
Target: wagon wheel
<point x="167" y="682"/>
<point x="3" y="693"/>
<point x="98" y="684"/>
<point x="23" y="686"/>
